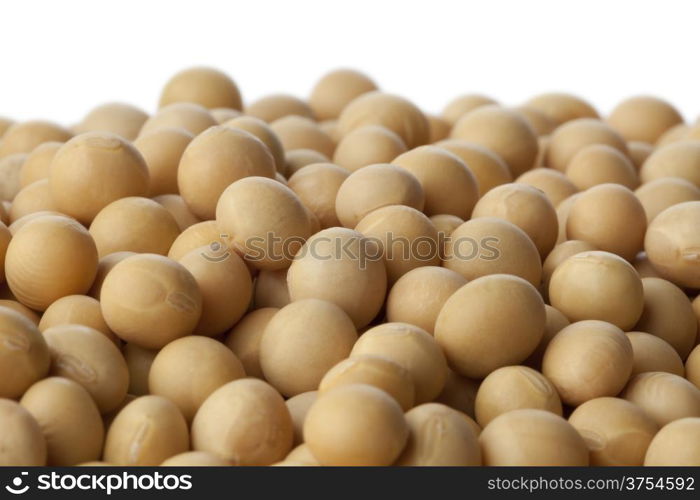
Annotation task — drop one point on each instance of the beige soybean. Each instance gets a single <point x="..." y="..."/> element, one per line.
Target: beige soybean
<point x="162" y="149"/>
<point x="33" y="198"/>
<point x="86" y="356"/>
<point x="407" y="238"/>
<point x="594" y="351"/>
<point x="413" y="349"/>
<point x="610" y="217"/>
<point x="336" y="89"/>
<point x="24" y="355"/>
<point x="226" y="288"/>
<point x="368" y="145"/>
<point x="301" y="456"/>
<point x="22" y="441"/>
<point x="5" y="237"/>
<point x="208" y="87"/>
<point x="37" y="164"/>
<point x="490" y="245"/>
<point x="512" y="388"/>
<point x="530" y="437"/>
<point x="525" y="206"/>
<point x="388" y="110"/>
<point x="215" y="159"/>
<point x="555" y="185"/>
<point x="299" y="158"/>
<point x="49" y="258"/>
<point x="265" y="219"/>
<point x="150" y="300"/>
<point x="488" y="168"/>
<point x="317" y="187"/>
<point x="175" y="204"/>
<point x="275" y="106"/>
<point x="245" y="422"/>
<point x="418" y="296"/>
<point x="350" y="279"/>
<point x="644" y="118"/>
<point x="676" y="444"/>
<point x="134" y="224"/>
<point x="310" y="333"/>
<point x="77" y="310"/>
<point x="376" y="371"/>
<point x="449" y="186"/>
<point x="299" y="407"/>
<point x="118" y="118"/>
<point x="104" y="266"/>
<point x="674" y="134"/>
<point x="298" y="132"/>
<point x="376" y="186"/>
<point x="439" y="436"/>
<point x="463" y="104"/>
<point x="195" y="459"/>
<point x="563" y="210"/>
<point x="356" y="424"/>
<point x="653" y="354"/>
<point x="69" y="419"/>
<point x="192" y="117"/>
<point x="10" y="174"/>
<point x="561" y="107"/>
<point x="600" y="164"/>
<point x="542" y="124"/>
<point x="571" y="137"/>
<point x="201" y="234"/>
<point x="668" y="314"/>
<point x="597" y="285"/>
<point x="679" y="159"/>
<point x="692" y="367"/>
<point x="146" y="432"/>
<point x="139" y="362"/>
<point x="23" y="137"/>
<point x="616" y="431"/>
<point x="480" y="330"/>
<point x="559" y="254"/>
<point x="244" y="339"/>
<point x="503" y="131"/>
<point x="445" y="224"/>
<point x="665" y="397"/>
<point x="189" y="369"/>
<point x="22" y="309"/>
<point x="660" y="194"/>
<point x="95" y="159"/>
<point x="262" y="131"/>
<point x="672" y="241"/>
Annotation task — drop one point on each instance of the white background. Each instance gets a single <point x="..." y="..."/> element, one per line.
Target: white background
<point x="58" y="59"/>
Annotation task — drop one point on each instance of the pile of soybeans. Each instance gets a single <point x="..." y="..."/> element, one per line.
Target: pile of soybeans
<point x="348" y="280"/>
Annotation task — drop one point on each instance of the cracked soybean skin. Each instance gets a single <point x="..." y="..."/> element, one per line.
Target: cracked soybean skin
<point x="150" y="300"/>
<point x="147" y="431"/>
<point x="245" y="422"/>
